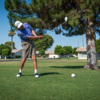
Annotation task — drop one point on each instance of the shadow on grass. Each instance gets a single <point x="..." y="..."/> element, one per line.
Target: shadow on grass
<point x="69" y="67"/>
<point x="43" y="74"/>
<point x="49" y="73"/>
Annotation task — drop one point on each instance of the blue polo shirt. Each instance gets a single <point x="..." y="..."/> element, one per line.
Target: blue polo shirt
<point x="23" y="34"/>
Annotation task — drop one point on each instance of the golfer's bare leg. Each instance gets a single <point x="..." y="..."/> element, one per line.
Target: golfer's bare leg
<point x="22" y="63"/>
<point x="21" y="67"/>
<point x="34" y="62"/>
<point x="35" y="66"/>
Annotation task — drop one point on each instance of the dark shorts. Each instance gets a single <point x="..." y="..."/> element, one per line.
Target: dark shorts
<point x="28" y="49"/>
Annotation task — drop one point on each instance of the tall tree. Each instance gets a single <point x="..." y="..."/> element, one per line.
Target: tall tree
<point x="17" y="10"/>
<point x="11" y="33"/>
<point x="82" y="19"/>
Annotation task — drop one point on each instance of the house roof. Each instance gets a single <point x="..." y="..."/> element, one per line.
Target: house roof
<point x="15" y="50"/>
<point x="49" y="52"/>
<point x="81" y="49"/>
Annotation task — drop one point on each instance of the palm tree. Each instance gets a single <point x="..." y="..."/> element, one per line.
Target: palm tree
<point x="11" y="33"/>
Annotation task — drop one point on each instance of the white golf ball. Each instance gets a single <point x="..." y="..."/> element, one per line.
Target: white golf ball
<point x="72" y="75"/>
<point x="66" y="19"/>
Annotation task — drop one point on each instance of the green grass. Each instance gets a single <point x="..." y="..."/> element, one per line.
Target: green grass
<point x="55" y="82"/>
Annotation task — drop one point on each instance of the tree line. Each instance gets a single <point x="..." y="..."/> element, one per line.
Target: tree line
<point x="66" y="50"/>
<point x="5" y="49"/>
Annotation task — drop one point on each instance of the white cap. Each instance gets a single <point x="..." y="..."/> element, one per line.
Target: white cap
<point x="18" y="24"/>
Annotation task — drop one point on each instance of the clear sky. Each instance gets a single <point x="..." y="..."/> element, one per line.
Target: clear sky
<point x="73" y="41"/>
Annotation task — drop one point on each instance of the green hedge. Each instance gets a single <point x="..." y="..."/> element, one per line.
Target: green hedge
<point x="18" y="56"/>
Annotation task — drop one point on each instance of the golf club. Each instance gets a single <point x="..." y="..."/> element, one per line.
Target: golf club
<point x="58" y="26"/>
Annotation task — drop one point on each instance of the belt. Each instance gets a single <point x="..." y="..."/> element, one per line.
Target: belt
<point x="26" y="41"/>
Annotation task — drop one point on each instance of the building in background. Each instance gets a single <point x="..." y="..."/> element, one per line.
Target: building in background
<point x="82" y="53"/>
<point x="16" y="53"/>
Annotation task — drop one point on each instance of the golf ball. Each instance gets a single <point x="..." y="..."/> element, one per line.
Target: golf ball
<point x="66" y="19"/>
<point x="72" y="75"/>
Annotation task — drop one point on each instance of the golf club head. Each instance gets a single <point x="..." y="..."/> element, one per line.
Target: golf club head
<point x="66" y="19"/>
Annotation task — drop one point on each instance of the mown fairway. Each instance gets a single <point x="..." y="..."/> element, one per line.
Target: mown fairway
<point x="55" y="82"/>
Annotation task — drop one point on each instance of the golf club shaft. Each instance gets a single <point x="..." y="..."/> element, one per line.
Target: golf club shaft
<point x="65" y="21"/>
<point x="55" y="28"/>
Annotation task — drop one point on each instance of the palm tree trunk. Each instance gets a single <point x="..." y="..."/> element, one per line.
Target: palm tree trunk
<point x="91" y="47"/>
<point x="12" y="42"/>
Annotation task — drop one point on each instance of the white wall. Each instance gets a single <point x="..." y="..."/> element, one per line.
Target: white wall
<point x="19" y="53"/>
<point x="57" y="56"/>
<point x="82" y="55"/>
<point x="13" y="55"/>
<point x="53" y="56"/>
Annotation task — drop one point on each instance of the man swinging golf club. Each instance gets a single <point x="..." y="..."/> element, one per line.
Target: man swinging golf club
<point x="27" y="35"/>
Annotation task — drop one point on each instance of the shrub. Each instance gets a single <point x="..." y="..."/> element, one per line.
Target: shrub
<point x="44" y="56"/>
<point x="18" y="56"/>
<point x="59" y="58"/>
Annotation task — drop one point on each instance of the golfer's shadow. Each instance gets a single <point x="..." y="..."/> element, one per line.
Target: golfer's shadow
<point x="49" y="73"/>
<point x="43" y="74"/>
<point x="68" y="67"/>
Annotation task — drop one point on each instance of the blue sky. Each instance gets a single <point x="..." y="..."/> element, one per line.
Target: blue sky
<point x="73" y="41"/>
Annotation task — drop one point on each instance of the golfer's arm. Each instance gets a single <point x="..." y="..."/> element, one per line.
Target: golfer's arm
<point x="32" y="37"/>
<point x="33" y="32"/>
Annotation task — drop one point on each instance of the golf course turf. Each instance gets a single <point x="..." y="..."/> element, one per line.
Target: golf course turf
<point x="55" y="81"/>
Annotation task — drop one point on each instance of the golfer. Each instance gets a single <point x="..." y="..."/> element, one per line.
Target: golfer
<point x="27" y="35"/>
